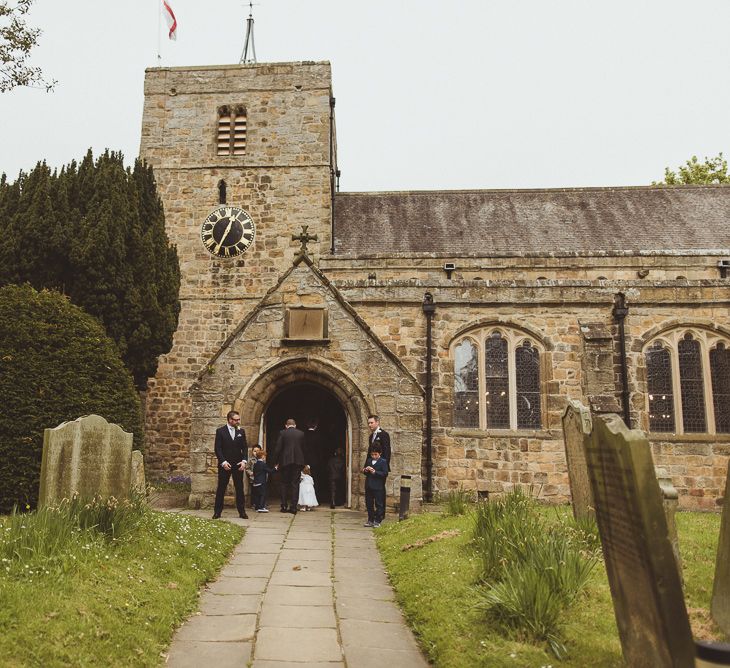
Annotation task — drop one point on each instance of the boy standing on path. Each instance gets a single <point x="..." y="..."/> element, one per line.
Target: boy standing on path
<point x="376" y="471"/>
<point x="261" y="473"/>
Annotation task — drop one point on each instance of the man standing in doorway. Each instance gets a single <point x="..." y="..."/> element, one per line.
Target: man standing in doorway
<point x="313" y="454"/>
<point x="380" y="437"/>
<point x="290" y="462"/>
<point x="230" y="450"/>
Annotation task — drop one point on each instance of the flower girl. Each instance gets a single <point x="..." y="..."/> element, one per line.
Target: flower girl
<point x="307" y="497"/>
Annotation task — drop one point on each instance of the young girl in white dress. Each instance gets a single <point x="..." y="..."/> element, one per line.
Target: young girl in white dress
<point x="307" y="497"/>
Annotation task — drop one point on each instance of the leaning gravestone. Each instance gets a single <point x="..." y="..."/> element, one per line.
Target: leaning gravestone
<point x="642" y="571"/>
<point x="721" y="589"/>
<point x="89" y="457"/>
<point x="138" y="482"/>
<point x="576" y="425"/>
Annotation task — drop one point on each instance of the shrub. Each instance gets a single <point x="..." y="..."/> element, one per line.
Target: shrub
<point x="56" y="364"/>
<point x="504" y="529"/>
<point x="457" y="501"/>
<point x="531" y="571"/>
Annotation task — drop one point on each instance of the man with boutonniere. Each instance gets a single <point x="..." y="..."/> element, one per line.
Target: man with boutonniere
<point x="230" y="450"/>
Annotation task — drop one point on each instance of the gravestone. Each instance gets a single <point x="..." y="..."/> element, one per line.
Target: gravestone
<point x="721" y="588"/>
<point x="670" y="500"/>
<point x="576" y="426"/>
<point x="88" y="456"/>
<point x="642" y="571"/>
<point x="139" y="484"/>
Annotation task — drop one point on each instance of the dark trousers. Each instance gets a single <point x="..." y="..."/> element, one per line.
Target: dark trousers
<point x="290" y="477"/>
<point x="223" y="478"/>
<point x="375" y="503"/>
<point x="259" y="495"/>
<point x="333" y="491"/>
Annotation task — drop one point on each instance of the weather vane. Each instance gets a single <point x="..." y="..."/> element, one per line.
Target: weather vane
<point x="245" y="57"/>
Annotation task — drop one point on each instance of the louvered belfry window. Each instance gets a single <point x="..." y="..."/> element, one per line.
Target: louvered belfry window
<point x="231" y="138"/>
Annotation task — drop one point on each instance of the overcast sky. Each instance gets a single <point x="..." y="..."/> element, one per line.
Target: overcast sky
<point x="430" y="95"/>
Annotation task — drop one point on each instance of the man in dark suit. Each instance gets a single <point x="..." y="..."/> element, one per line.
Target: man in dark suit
<point x="290" y="462"/>
<point x="379" y="437"/>
<point x="230" y="450"/>
<point x="376" y="471"/>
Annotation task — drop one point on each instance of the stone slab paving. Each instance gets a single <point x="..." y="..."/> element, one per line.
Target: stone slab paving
<point x="307" y="590"/>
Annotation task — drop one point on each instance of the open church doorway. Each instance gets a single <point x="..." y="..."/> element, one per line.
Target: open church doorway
<point x="323" y="420"/>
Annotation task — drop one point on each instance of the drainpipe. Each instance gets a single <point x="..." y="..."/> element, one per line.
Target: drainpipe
<point x="428" y="308"/>
<point x="620" y="311"/>
<point x="332" y="175"/>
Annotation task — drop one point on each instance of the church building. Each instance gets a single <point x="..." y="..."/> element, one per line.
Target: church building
<point x="465" y="319"/>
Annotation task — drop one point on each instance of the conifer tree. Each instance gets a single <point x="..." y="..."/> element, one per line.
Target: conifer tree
<point x="96" y="232"/>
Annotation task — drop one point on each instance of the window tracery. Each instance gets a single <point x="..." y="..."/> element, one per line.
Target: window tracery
<point x="497" y="380"/>
<point x="688" y="382"/>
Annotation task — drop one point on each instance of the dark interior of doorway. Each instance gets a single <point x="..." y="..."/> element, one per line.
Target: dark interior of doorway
<point x="309" y="404"/>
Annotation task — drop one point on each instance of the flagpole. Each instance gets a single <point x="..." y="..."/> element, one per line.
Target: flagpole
<point x="159" y="32"/>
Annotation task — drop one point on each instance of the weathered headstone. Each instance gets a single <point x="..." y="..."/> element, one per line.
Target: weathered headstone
<point x="670" y="501"/>
<point x="576" y="426"/>
<point x="88" y="456"/>
<point x="721" y="588"/>
<point x="139" y="484"/>
<point x="642" y="571"/>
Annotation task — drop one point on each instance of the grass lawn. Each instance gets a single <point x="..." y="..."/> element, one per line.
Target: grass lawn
<point x="109" y="602"/>
<point x="436" y="586"/>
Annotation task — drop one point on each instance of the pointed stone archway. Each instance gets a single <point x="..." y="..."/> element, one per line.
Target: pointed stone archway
<point x="260" y="391"/>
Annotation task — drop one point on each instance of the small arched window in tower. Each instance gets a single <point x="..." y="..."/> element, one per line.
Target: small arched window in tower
<point x="231" y="138"/>
<point x="221" y="192"/>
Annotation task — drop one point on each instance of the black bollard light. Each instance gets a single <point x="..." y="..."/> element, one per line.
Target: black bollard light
<point x="405" y="497"/>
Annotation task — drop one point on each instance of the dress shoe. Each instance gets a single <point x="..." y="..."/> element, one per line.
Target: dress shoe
<point x="283" y="509"/>
<point x="332" y="505"/>
<point x="216" y="516"/>
<point x="243" y="516"/>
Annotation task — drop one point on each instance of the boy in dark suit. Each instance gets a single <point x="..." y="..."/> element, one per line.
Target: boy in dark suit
<point x="261" y="473"/>
<point x="230" y="450"/>
<point x="376" y="471"/>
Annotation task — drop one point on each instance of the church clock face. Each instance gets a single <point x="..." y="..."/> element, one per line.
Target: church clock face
<point x="228" y="232"/>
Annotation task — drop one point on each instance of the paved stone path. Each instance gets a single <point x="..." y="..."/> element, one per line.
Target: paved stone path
<point x="305" y="589"/>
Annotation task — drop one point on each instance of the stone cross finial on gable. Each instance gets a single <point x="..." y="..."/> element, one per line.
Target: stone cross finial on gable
<point x="304" y="237"/>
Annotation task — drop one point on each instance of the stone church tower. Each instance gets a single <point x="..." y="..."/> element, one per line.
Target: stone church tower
<point x="259" y="138"/>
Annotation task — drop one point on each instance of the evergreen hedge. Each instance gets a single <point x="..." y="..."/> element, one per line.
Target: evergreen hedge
<point x="95" y="231"/>
<point x="56" y="364"/>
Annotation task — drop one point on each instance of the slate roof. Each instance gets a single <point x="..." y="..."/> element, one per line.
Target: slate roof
<point x="536" y="222"/>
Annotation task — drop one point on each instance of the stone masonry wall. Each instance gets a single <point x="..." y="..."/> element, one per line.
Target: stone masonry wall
<point x="283" y="181"/>
<point x="258" y="362"/>
<point x="552" y="310"/>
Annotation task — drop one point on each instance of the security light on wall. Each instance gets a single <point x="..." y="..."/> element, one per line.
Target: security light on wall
<point x="449" y="268"/>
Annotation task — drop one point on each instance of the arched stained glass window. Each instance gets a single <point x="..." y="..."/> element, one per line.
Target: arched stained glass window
<point x="527" y="378"/>
<point x="661" y="396"/>
<point x="497" y="381"/>
<point x="466" y="385"/>
<point x="688" y="382"/>
<point x="691" y="384"/>
<point x="720" y="374"/>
